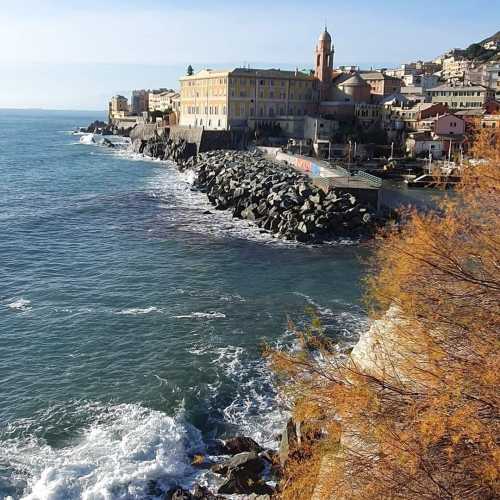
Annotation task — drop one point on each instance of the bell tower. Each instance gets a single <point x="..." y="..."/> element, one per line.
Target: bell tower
<point x="324" y="64"/>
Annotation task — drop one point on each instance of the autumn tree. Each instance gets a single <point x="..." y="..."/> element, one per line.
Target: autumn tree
<point x="413" y="411"/>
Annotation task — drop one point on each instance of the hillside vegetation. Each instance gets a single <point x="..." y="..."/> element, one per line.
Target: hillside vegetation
<point x="413" y="411"/>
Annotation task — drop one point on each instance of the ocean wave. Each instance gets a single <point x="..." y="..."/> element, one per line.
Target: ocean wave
<point x="256" y="410"/>
<point x="20" y="305"/>
<point x="232" y="298"/>
<point x="115" y="457"/>
<point x="135" y="311"/>
<point x="87" y="139"/>
<point x="201" y="315"/>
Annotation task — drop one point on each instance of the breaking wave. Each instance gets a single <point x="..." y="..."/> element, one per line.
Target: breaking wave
<point x="124" y="448"/>
<point x="20" y="305"/>
<point x="201" y="315"/>
<point x="134" y="311"/>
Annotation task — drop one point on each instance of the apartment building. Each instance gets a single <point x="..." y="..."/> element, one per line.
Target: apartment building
<point x="118" y="107"/>
<point x="381" y="84"/>
<point x="461" y="96"/>
<point x="140" y="101"/>
<point x="493" y="70"/>
<point x="161" y="100"/>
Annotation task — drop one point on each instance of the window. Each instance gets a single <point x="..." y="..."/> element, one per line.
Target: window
<point x="261" y="82"/>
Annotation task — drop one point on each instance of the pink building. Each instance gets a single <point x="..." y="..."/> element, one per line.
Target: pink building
<point x="449" y="125"/>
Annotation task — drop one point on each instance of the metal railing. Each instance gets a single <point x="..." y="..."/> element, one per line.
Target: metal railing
<point x="372" y="179"/>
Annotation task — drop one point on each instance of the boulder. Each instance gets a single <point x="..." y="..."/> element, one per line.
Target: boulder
<point x="202" y="493"/>
<point x="247" y="460"/>
<point x="290" y="439"/>
<point x="177" y="493"/>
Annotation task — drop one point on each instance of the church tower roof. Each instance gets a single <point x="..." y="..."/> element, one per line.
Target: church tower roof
<point x="325" y="36"/>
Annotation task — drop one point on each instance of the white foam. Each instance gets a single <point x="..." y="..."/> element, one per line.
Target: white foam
<point x="87" y="139"/>
<point x="134" y="311"/>
<point x="232" y="298"/>
<point x="113" y="459"/>
<point x="201" y="315"/>
<point x="20" y="305"/>
<point x="256" y="411"/>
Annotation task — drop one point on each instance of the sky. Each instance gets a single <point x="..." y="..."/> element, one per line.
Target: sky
<point x="66" y="54"/>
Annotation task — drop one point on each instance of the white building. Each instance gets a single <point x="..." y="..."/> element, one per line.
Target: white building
<point x="162" y="100"/>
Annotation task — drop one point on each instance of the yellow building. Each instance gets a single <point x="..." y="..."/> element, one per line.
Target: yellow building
<point x="118" y="107"/>
<point x="224" y="100"/>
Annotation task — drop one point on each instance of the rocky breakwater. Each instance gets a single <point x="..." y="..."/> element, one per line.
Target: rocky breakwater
<point x="277" y="198"/>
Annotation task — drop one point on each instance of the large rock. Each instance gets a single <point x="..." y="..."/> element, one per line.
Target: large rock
<point x="243" y="475"/>
<point x="202" y="493"/>
<point x="290" y="439"/>
<point x="240" y="444"/>
<point x="248" y="460"/>
<point x="177" y="493"/>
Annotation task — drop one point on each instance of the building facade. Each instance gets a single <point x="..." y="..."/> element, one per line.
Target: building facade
<point x="161" y="100"/>
<point x="118" y="107"/>
<point x="381" y="84"/>
<point x="140" y="102"/>
<point x="493" y="70"/>
<point x="241" y="98"/>
<point x="461" y="96"/>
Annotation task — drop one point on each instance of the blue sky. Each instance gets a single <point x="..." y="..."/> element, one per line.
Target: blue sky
<point x="73" y="55"/>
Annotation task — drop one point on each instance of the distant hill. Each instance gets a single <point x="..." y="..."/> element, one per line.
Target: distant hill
<point x="493" y="38"/>
<point x="484" y="51"/>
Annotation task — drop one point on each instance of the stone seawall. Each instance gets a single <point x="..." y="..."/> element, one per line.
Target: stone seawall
<point x="178" y="143"/>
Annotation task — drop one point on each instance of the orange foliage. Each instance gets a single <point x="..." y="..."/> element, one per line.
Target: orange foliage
<point x="424" y="422"/>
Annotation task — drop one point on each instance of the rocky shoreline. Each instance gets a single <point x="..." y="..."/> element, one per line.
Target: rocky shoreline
<point x="245" y="468"/>
<point x="273" y="196"/>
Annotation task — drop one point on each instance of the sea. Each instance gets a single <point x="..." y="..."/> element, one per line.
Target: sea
<point x="133" y="316"/>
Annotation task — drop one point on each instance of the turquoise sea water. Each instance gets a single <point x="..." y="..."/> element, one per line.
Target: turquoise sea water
<point x="130" y="319"/>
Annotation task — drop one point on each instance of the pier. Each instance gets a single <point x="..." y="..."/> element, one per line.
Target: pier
<point x="324" y="175"/>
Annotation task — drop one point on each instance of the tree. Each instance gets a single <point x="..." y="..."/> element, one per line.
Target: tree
<point x="413" y="412"/>
<point x="190" y="70"/>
